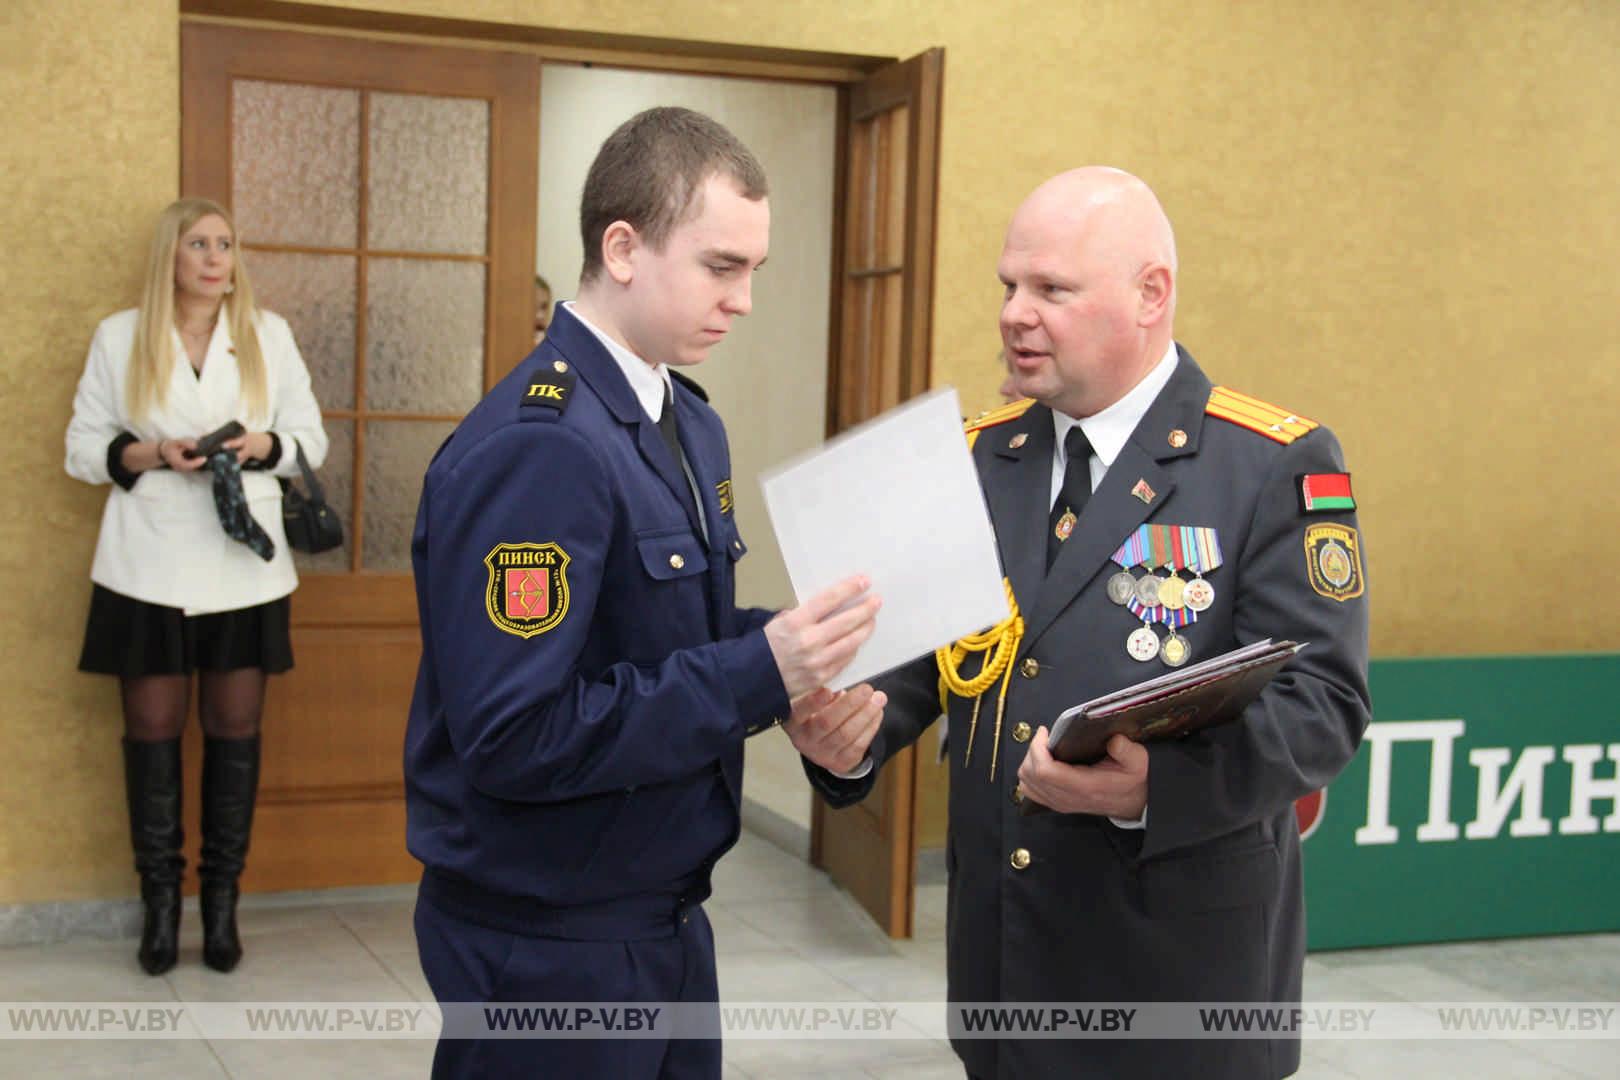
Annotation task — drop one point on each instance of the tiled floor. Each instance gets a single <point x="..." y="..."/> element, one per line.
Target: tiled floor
<point x="785" y="933"/>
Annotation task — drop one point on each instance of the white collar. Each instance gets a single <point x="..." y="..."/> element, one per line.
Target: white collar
<point x="647" y="381"/>
<point x="1110" y="429"/>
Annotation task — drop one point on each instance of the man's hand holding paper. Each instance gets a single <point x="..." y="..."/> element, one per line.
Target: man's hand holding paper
<point x="834" y="728"/>
<point x="812" y="643"/>
<point x="818" y="639"/>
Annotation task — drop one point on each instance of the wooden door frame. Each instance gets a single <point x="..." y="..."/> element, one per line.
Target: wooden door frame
<point x="635" y="51"/>
<point x="886" y="891"/>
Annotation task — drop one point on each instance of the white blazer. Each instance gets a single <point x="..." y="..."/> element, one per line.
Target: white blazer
<point x="161" y="541"/>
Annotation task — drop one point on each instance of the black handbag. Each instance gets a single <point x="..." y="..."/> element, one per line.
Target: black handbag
<point x="310" y="524"/>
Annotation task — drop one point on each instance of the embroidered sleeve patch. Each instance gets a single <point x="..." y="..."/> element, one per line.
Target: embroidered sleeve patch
<point x="527" y="593"/>
<point x="1321" y="492"/>
<point x="722" y="490"/>
<point x="1333" y="561"/>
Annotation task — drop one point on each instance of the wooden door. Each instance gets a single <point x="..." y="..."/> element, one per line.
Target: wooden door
<point x="883" y="330"/>
<point x="385" y="200"/>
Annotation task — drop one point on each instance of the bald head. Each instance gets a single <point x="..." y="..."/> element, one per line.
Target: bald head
<point x="1114" y="214"/>
<point x="1089" y="266"/>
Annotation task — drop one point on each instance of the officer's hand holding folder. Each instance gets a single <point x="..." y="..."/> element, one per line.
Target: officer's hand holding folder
<point x="1185" y="700"/>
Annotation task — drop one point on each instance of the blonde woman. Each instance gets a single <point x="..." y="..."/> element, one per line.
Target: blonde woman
<point x="173" y="592"/>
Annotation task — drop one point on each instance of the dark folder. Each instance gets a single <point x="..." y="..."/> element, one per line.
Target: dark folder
<point x="1183" y="701"/>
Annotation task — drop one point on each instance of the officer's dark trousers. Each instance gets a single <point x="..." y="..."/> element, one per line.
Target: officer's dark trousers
<point x="468" y="962"/>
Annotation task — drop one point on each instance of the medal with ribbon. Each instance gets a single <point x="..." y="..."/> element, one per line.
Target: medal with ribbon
<point x="1144" y="644"/>
<point x="1203" y="548"/>
<point x="1133" y="552"/>
<point x="1172" y="599"/>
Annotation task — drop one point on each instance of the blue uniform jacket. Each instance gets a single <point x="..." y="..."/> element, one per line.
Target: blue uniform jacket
<point x="586" y="679"/>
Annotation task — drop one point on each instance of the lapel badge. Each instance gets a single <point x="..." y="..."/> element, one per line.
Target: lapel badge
<point x="559" y="365"/>
<point x="1017" y="440"/>
<point x="1178" y="438"/>
<point x="1142" y="491"/>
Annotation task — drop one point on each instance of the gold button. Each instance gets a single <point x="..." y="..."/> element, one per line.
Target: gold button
<point x="1178" y="438"/>
<point x="1018" y="794"/>
<point x="1022" y="732"/>
<point x="559" y="365"/>
<point x="1029" y="668"/>
<point x="1020" y="858"/>
<point x="676" y="561"/>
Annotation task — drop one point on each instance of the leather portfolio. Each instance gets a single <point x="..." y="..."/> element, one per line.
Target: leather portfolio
<point x="1213" y="692"/>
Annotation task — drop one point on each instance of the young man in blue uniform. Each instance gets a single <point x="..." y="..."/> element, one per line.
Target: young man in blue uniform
<point x="1145" y="518"/>
<point x="573" y="760"/>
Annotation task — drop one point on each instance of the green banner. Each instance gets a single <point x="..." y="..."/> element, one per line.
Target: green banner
<point x="1484" y="802"/>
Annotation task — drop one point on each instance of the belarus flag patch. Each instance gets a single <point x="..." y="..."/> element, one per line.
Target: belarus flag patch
<point x="1321" y="492"/>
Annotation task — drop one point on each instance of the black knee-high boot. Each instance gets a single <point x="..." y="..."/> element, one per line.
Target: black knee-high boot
<point x="230" y="782"/>
<point x="152" y="786"/>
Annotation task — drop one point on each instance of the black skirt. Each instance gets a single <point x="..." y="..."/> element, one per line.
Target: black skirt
<point x="129" y="637"/>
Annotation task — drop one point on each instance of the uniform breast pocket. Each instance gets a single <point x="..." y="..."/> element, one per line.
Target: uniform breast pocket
<point x="671" y="554"/>
<point x="665" y="605"/>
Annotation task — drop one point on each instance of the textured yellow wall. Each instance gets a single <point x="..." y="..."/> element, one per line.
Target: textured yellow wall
<point x="1399" y="219"/>
<point x="90" y="152"/>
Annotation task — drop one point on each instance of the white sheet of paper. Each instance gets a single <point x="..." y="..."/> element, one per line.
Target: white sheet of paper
<point x="897" y="499"/>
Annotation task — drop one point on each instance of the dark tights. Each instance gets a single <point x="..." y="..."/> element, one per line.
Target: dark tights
<point x="229" y="702"/>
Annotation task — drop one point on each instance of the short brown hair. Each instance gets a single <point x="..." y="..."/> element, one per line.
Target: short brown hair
<point x="650" y="173"/>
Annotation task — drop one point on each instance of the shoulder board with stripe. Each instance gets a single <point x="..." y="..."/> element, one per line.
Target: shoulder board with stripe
<point x="1258" y="416"/>
<point x="1001" y="415"/>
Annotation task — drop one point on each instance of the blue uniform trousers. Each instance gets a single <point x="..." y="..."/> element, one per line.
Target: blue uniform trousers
<point x="471" y="962"/>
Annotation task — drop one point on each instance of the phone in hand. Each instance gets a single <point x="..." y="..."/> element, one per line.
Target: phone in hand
<point x="210" y="443"/>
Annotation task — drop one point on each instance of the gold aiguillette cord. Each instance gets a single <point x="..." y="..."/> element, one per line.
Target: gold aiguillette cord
<point x="1001" y="642"/>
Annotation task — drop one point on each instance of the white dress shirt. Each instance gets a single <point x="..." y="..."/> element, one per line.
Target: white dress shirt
<point x="648" y="382"/>
<point x="1108" y="431"/>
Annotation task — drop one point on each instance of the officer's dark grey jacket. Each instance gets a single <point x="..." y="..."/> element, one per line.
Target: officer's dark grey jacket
<point x="1206" y="903"/>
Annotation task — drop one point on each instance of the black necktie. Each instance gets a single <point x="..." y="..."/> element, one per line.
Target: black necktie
<point x="666" y="425"/>
<point x="671" y="434"/>
<point x="1072" y="495"/>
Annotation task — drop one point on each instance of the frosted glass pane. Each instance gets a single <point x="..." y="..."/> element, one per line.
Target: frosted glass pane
<point x="295" y="163"/>
<point x="316" y="295"/>
<point x="337" y="480"/>
<point x="397" y="456"/>
<point x="424" y="335"/>
<point x="429" y="179"/>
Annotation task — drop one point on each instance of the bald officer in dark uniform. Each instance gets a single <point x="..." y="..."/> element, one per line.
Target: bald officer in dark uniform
<point x="1171" y="871"/>
<point x="573" y="761"/>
